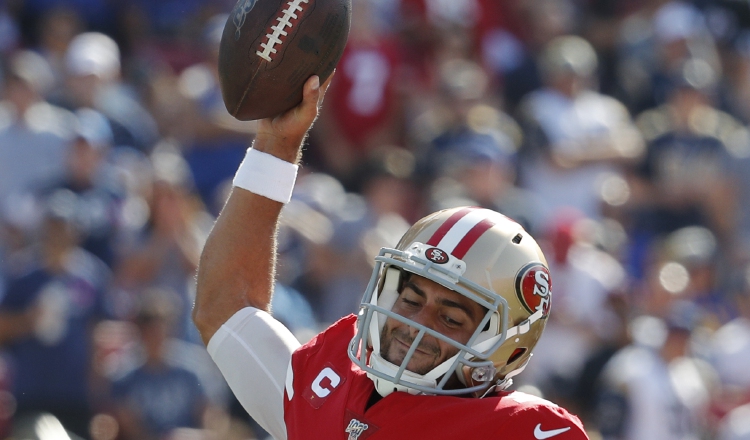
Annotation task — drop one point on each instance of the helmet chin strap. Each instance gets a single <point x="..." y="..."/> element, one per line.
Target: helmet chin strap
<point x="385" y="387"/>
<point x="521" y="329"/>
<point x="508" y="379"/>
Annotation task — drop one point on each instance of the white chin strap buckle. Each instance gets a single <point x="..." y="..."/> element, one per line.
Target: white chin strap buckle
<point x="483" y="374"/>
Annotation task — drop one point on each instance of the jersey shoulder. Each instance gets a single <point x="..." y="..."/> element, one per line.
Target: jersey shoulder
<point x="340" y="332"/>
<point x="525" y="404"/>
<point x="521" y="399"/>
<point x="531" y="414"/>
<point x="325" y="351"/>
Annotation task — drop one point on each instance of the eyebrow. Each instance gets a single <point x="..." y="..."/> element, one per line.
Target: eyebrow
<point x="442" y="301"/>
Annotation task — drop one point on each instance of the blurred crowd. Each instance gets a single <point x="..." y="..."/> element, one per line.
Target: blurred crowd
<point x="615" y="131"/>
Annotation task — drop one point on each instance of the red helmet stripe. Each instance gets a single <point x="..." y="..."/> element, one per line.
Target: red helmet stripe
<point x="445" y="227"/>
<point x="471" y="237"/>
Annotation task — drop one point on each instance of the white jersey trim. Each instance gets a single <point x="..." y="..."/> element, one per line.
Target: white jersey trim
<point x="253" y="351"/>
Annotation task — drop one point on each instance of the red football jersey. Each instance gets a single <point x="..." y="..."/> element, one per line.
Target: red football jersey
<point x="330" y="394"/>
<point x="362" y="97"/>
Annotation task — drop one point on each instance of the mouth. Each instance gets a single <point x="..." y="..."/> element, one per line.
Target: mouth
<point x="418" y="350"/>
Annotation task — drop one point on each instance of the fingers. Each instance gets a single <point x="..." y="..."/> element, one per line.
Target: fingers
<point x="312" y="96"/>
<point x="312" y="90"/>
<point x="283" y="134"/>
<point x="308" y="109"/>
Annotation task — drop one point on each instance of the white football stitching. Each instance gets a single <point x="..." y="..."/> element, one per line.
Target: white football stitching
<point x="278" y="29"/>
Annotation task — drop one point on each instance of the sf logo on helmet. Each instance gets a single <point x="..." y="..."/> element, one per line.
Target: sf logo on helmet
<point x="436" y="255"/>
<point x="534" y="288"/>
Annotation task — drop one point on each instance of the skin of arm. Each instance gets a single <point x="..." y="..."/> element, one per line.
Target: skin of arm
<point x="237" y="264"/>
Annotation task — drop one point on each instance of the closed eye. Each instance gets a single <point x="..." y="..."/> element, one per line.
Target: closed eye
<point x="452" y="322"/>
<point x="409" y="302"/>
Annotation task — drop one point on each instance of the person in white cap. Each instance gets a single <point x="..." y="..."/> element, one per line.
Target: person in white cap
<point x="92" y="63"/>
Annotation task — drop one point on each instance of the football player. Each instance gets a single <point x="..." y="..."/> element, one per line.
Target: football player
<point x="450" y="315"/>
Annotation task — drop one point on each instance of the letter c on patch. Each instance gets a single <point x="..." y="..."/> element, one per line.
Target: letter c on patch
<point x="318" y="387"/>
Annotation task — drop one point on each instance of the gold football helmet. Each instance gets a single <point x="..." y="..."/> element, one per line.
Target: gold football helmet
<point x="481" y="255"/>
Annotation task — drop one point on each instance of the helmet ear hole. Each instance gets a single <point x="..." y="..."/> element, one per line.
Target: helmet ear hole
<point x="487" y="326"/>
<point x="517" y="353"/>
<point x="490" y="329"/>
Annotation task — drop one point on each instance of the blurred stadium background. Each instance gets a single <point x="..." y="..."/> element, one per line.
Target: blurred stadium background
<point x="615" y="131"/>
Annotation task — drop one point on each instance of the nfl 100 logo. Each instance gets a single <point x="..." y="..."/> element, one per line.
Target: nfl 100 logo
<point x="355" y="429"/>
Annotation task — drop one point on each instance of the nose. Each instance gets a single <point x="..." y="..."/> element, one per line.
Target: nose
<point x="428" y="343"/>
<point x="426" y="316"/>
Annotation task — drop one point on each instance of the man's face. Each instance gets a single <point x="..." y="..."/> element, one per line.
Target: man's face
<point x="437" y="308"/>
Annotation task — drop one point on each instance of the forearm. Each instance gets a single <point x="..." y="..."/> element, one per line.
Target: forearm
<point x="236" y="267"/>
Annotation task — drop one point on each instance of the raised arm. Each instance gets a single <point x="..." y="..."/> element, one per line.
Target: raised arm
<point x="237" y="264"/>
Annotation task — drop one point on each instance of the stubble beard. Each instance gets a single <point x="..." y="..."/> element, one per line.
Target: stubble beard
<point x="396" y="355"/>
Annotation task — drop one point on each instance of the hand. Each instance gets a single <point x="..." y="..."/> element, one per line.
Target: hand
<point x="282" y="135"/>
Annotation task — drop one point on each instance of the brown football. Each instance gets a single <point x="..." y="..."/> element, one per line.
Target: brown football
<point x="269" y="48"/>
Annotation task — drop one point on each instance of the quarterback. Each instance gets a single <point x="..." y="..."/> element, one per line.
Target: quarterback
<point x="450" y="315"/>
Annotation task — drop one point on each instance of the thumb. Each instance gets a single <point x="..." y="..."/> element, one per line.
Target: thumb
<point x="311" y="92"/>
<point x="324" y="88"/>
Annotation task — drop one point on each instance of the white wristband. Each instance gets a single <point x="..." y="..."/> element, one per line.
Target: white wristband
<point x="266" y="175"/>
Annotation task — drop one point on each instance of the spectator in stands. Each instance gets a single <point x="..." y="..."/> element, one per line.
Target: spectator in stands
<point x="468" y="147"/>
<point x="514" y="55"/>
<point x="575" y="136"/>
<point x="685" y="176"/>
<point x="157" y="398"/>
<point x="365" y="108"/>
<point x="33" y="139"/>
<point x="655" y="42"/>
<point x="588" y="282"/>
<point x="729" y="353"/>
<point x="336" y="232"/>
<point x="91" y="185"/>
<point x="57" y="28"/>
<point x="213" y="141"/>
<point x="696" y="249"/>
<point x="33" y="134"/>
<point x="165" y="251"/>
<point x="99" y="15"/>
<point x="93" y="68"/>
<point x="656" y="388"/>
<point x="45" y="319"/>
